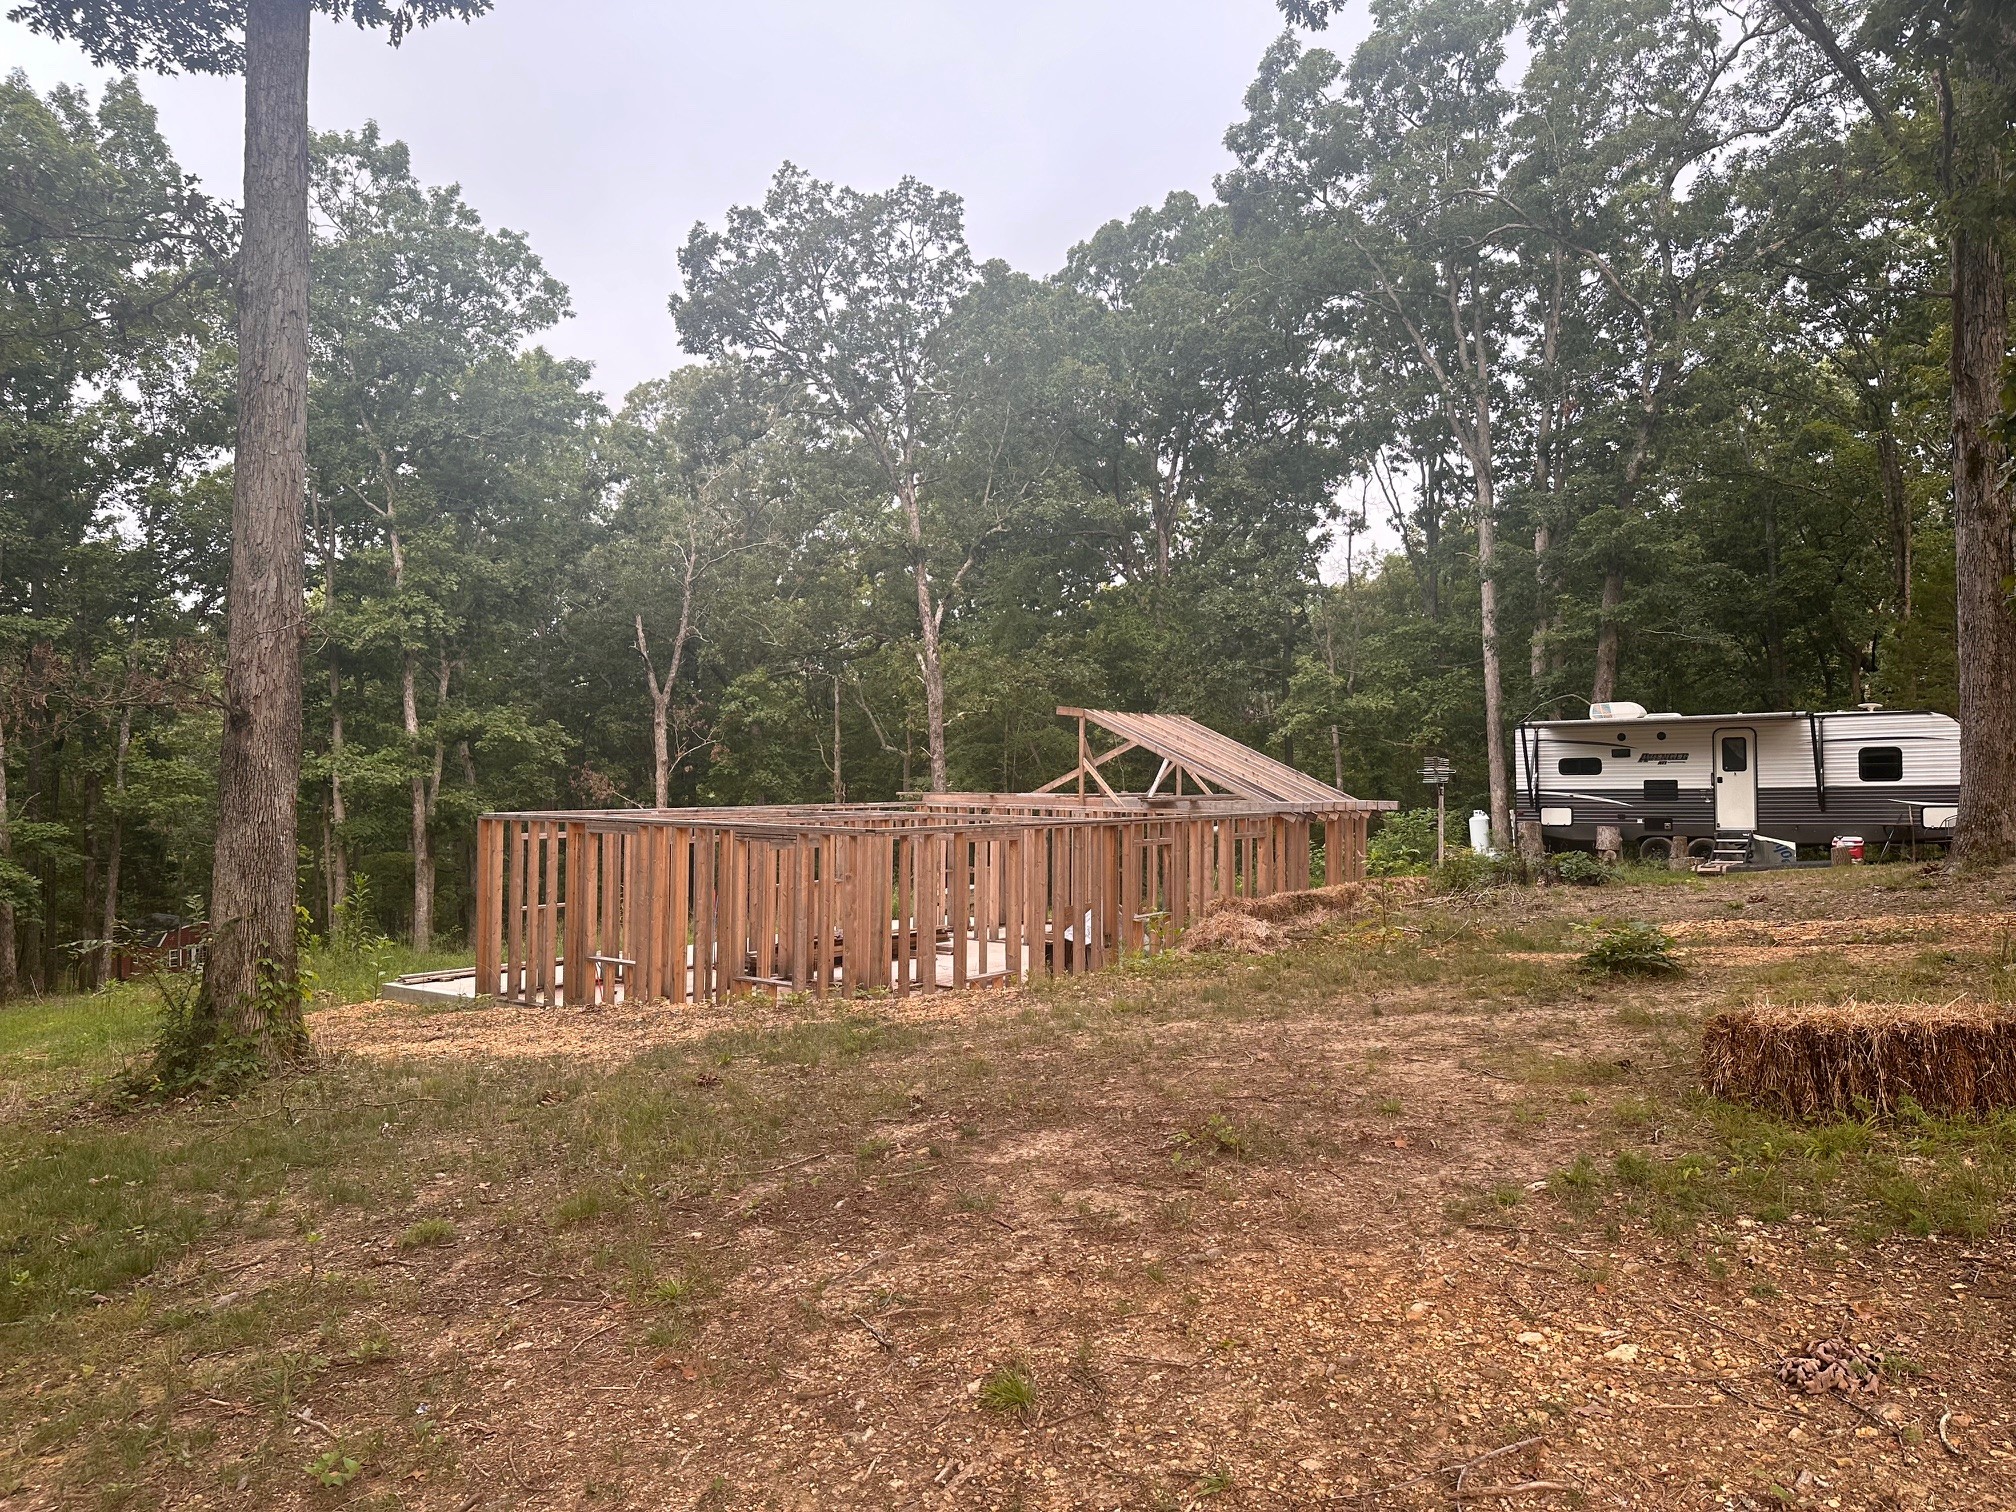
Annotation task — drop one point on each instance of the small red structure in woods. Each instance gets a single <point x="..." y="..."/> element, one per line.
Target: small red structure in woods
<point x="179" y="949"/>
<point x="951" y="890"/>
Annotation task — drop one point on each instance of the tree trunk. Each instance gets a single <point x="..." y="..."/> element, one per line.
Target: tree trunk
<point x="94" y="864"/>
<point x="839" y="782"/>
<point x="335" y="862"/>
<point x="418" y="839"/>
<point x="1609" y="640"/>
<point x="10" y="971"/>
<point x="661" y="749"/>
<point x="251" y="980"/>
<point x="1494" y="679"/>
<point x="930" y="666"/>
<point x="114" y="844"/>
<point x="1984" y="541"/>
<point x="1890" y="465"/>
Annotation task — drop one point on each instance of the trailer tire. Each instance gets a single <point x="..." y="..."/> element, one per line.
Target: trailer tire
<point x="1702" y="848"/>
<point x="1655" y="848"/>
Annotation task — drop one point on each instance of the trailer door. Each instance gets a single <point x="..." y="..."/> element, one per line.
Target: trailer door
<point x="1736" y="779"/>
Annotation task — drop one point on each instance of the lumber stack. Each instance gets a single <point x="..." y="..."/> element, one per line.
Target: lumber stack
<point x="1848" y="1059"/>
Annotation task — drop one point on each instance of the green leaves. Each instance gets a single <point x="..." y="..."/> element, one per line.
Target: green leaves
<point x="205" y="36"/>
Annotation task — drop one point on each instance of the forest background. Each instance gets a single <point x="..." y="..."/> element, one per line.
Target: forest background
<point x="1620" y="318"/>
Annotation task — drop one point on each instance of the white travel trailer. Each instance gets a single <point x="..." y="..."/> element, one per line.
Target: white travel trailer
<point x="1684" y="782"/>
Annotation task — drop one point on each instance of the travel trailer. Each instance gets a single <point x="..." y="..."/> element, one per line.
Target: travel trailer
<point x="1681" y="783"/>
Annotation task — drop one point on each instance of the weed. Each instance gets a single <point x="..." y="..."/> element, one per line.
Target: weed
<point x="1216" y="1481"/>
<point x="586" y="1206"/>
<point x="1580" y="869"/>
<point x="1629" y="947"/>
<point x="427" y="1233"/>
<point x="1009" y="1389"/>
<point x="333" y="1469"/>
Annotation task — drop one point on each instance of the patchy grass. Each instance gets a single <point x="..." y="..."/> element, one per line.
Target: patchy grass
<point x="1918" y="1174"/>
<point x="843" y="1222"/>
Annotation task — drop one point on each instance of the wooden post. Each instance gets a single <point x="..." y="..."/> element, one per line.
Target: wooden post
<point x="489" y="918"/>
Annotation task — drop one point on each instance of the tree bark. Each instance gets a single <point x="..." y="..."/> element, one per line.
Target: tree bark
<point x="1494" y="679"/>
<point x="930" y="664"/>
<point x="662" y="691"/>
<point x="114" y="843"/>
<point x="251" y="980"/>
<point x="1609" y="642"/>
<point x="335" y="862"/>
<point x="1984" y="541"/>
<point x="1890" y="464"/>
<point x="10" y="971"/>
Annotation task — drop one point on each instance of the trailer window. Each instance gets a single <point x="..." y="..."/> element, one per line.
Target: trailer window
<point x="1662" y="790"/>
<point x="1581" y="766"/>
<point x="1881" y="763"/>
<point x="1735" y="753"/>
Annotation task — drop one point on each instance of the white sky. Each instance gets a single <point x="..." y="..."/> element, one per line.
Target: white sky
<point x="604" y="128"/>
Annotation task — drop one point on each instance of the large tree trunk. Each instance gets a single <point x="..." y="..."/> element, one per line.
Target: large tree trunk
<point x="251" y="980"/>
<point x="1984" y="541"/>
<point x="1494" y="680"/>
<point x="1609" y="638"/>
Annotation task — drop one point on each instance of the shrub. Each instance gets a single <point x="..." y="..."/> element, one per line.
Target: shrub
<point x="1581" y="869"/>
<point x="1629" y="947"/>
<point x="1404" y="843"/>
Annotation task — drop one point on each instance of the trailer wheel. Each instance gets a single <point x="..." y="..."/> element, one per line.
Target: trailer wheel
<point x="1655" y="848"/>
<point x="1702" y="848"/>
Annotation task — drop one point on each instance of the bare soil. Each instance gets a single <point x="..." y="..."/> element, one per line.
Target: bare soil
<point x="1251" y="1238"/>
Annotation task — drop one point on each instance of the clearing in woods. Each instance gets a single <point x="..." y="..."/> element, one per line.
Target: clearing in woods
<point x="1412" y="1213"/>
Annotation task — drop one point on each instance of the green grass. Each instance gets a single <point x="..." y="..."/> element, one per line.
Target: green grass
<point x="1917" y="1175"/>
<point x="1009" y="1389"/>
<point x="58" y="1043"/>
<point x="49" y="1043"/>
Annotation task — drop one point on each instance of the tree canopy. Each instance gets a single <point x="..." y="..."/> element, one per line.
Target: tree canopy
<point x="1525" y="355"/>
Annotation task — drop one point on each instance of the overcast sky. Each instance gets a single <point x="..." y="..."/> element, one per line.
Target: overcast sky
<point x="605" y="128"/>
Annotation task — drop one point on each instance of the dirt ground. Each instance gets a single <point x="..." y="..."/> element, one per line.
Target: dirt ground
<point x="1216" y="1235"/>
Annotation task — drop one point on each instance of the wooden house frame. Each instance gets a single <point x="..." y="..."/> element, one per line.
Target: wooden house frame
<point x="950" y="890"/>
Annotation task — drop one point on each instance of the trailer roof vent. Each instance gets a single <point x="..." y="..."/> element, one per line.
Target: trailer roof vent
<point x="1606" y="713"/>
<point x="1870" y="708"/>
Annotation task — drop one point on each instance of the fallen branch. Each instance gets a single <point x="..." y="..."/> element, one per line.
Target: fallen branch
<point x="1486" y="1493"/>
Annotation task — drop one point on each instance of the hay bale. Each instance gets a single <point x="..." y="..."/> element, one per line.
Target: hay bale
<point x="1813" y="1060"/>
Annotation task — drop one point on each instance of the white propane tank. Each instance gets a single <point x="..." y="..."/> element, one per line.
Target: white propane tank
<point x="1480" y="830"/>
<point x="1610" y="713"/>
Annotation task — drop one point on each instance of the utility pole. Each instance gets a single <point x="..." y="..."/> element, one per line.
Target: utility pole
<point x="1435" y="772"/>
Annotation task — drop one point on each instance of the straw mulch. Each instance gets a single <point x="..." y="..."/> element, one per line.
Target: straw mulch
<point x="1255" y="926"/>
<point x="1813" y="1061"/>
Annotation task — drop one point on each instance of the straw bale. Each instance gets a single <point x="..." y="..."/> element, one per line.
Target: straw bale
<point x="1819" y="1060"/>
